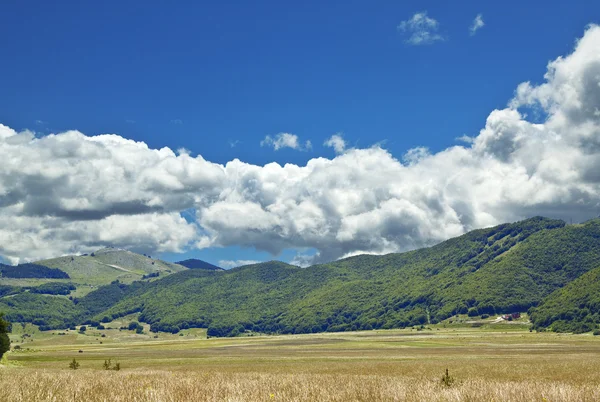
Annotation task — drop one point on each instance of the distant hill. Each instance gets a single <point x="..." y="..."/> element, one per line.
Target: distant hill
<point x="199" y="264"/>
<point x="110" y="264"/>
<point x="533" y="264"/>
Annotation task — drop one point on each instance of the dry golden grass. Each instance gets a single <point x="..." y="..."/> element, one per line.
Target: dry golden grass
<point x="499" y="364"/>
<point x="87" y="385"/>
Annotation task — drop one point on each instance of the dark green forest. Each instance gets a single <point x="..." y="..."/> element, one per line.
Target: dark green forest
<point x="509" y="268"/>
<point x="31" y="271"/>
<point x="574" y="308"/>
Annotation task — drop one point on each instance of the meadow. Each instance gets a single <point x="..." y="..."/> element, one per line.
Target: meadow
<point x="491" y="362"/>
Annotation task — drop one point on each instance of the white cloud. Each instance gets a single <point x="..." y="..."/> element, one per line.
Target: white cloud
<point x="336" y="142"/>
<point x="421" y="29"/>
<point x="415" y="155"/>
<point x="285" y="140"/>
<point x="71" y="193"/>
<point x="227" y="264"/>
<point x="465" y="138"/>
<point x="476" y="25"/>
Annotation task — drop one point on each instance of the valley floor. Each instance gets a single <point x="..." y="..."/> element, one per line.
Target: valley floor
<point x="500" y="363"/>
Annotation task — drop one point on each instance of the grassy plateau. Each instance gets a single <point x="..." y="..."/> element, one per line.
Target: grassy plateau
<point x="486" y="360"/>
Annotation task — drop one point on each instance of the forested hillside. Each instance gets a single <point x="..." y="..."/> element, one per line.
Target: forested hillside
<point x="574" y="308"/>
<point x="508" y="268"/>
<point x="31" y="271"/>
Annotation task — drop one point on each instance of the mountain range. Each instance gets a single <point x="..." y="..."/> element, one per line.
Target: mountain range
<point x="539" y="265"/>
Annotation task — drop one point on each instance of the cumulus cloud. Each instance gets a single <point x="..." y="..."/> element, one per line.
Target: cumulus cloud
<point x="336" y="142"/>
<point x="285" y="140"/>
<point x="228" y="264"/>
<point x="420" y="29"/>
<point x="69" y="192"/>
<point x="476" y="25"/>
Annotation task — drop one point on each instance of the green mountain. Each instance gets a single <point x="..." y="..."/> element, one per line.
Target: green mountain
<point x="508" y="268"/>
<point x="47" y="292"/>
<point x="198" y="264"/>
<point x="110" y="264"/>
<point x="574" y="308"/>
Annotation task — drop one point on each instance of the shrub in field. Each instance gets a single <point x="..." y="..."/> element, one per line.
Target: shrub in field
<point x="74" y="365"/>
<point x="447" y="379"/>
<point x="108" y="365"/>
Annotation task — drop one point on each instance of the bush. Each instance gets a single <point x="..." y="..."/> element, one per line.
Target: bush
<point x="74" y="365"/>
<point x="108" y="365"/>
<point x="483" y="316"/>
<point x="4" y="340"/>
<point x="82" y="329"/>
<point x="473" y="312"/>
<point x="447" y="380"/>
<point x="596" y="332"/>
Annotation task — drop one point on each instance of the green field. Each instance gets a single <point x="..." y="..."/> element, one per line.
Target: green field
<point x="488" y="361"/>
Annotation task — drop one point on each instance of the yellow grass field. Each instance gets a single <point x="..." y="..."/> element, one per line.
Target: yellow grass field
<point x="493" y="363"/>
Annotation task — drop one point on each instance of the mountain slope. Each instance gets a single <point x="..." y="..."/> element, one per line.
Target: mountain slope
<point x="42" y="292"/>
<point x="109" y="264"/>
<point x="511" y="267"/>
<point x="574" y="308"/>
<point x="198" y="264"/>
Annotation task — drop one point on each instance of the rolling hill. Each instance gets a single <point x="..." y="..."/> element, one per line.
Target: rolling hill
<point x="109" y="264"/>
<point x="507" y="268"/>
<point x="199" y="264"/>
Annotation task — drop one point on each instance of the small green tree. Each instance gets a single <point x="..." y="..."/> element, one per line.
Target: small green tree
<point x="74" y="365"/>
<point x="4" y="340"/>
<point x="447" y="379"/>
<point x="108" y="365"/>
<point x="82" y="329"/>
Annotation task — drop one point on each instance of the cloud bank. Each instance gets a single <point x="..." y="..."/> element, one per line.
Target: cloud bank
<point x="68" y="192"/>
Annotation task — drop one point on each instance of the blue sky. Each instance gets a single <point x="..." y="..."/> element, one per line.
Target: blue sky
<point x="217" y="77"/>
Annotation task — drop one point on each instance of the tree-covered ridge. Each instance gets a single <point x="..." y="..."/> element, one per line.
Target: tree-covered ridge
<point x="31" y="271"/>
<point x="47" y="311"/>
<point x="574" y="308"/>
<point x="501" y="269"/>
<point x="508" y="268"/>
